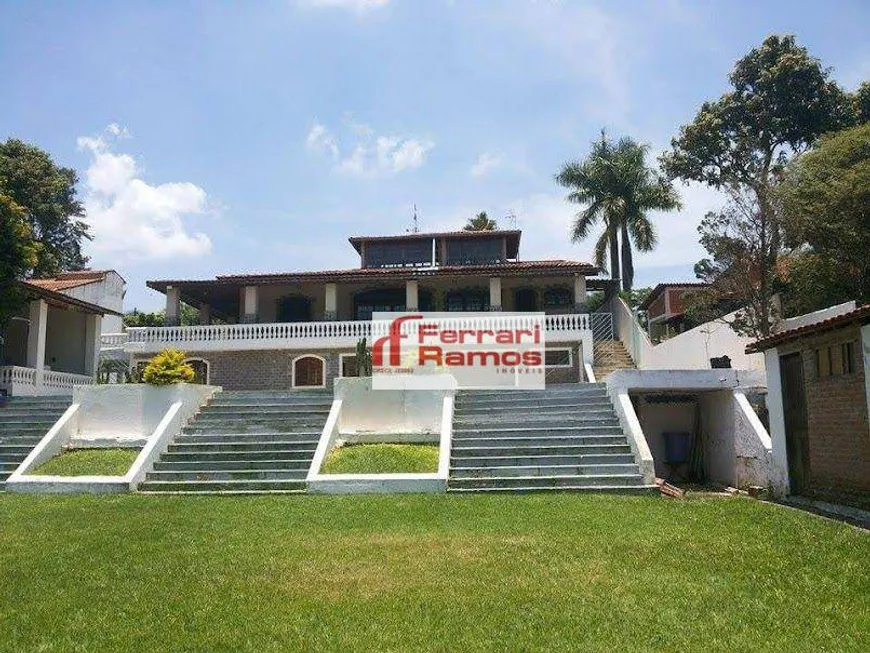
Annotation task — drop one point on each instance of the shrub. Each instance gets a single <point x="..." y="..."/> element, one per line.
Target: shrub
<point x="168" y="367"/>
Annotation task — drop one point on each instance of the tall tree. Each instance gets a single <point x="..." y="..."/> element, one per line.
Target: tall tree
<point x="47" y="194"/>
<point x="861" y="98"/>
<point x="617" y="188"/>
<point x="480" y="222"/>
<point x="825" y="198"/>
<point x="18" y="255"/>
<point x="781" y="101"/>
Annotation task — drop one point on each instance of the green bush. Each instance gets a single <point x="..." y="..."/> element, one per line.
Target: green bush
<point x="168" y="367"/>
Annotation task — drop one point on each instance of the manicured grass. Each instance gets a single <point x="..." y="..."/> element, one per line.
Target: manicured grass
<point x="382" y="459"/>
<point x="427" y="572"/>
<point x="89" y="462"/>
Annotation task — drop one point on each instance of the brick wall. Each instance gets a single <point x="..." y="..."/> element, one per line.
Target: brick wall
<point x="839" y="432"/>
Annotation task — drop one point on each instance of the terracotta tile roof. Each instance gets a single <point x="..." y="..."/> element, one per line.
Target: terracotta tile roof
<point x="660" y="288"/>
<point x="55" y="298"/>
<point x="860" y="314"/>
<point x="66" y="280"/>
<point x="507" y="269"/>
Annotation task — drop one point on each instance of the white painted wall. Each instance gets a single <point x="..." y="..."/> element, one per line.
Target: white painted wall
<point x="776" y="418"/>
<point x="108" y="293"/>
<point x="128" y="412"/>
<point x="389" y="411"/>
<point x="717" y="432"/>
<point x="690" y="350"/>
<point x="812" y="318"/>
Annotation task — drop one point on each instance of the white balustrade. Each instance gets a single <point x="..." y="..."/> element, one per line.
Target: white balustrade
<point x="22" y="381"/>
<point x="112" y="340"/>
<point x="310" y="335"/>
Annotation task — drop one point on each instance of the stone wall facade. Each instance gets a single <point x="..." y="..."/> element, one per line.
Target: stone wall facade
<point x="273" y="369"/>
<point x="837" y="421"/>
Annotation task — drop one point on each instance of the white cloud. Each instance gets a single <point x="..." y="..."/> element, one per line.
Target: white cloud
<point x="370" y="155"/>
<point x="356" y="5"/>
<point x="130" y="218"/>
<point x="485" y="164"/>
<point x="322" y="141"/>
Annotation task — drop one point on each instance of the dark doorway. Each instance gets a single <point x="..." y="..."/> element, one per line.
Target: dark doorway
<point x="308" y="372"/>
<point x="794" y="405"/>
<point x="295" y="308"/>
<point x="526" y="300"/>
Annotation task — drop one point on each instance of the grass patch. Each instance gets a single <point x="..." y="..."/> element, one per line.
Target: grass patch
<point x="382" y="459"/>
<point x="89" y="462"/>
<point x="562" y="572"/>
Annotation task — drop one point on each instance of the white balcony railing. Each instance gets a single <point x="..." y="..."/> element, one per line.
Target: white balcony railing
<point x="112" y="340"/>
<point x="18" y="380"/>
<point x="311" y="335"/>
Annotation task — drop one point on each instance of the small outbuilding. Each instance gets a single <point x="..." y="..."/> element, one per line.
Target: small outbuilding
<point x="818" y="403"/>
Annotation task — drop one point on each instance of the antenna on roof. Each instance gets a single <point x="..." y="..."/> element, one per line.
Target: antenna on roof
<point x="416" y="228"/>
<point x="511" y="219"/>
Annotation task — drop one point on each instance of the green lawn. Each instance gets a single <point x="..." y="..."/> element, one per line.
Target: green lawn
<point x="89" y="462"/>
<point x="382" y="459"/>
<point x="427" y="572"/>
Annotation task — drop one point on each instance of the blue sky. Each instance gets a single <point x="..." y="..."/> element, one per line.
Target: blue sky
<point x="234" y="137"/>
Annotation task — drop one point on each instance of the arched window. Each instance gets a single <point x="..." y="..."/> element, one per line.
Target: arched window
<point x="200" y="370"/>
<point x="309" y="372"/>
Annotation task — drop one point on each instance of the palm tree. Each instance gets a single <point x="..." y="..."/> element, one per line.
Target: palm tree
<point x="617" y="188"/>
<point x="480" y="222"/>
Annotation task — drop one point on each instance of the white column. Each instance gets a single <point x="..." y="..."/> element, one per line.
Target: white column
<point x="412" y="301"/>
<point x="865" y="346"/>
<point x="495" y="293"/>
<point x="205" y="313"/>
<point x="93" y="324"/>
<point x="579" y="293"/>
<point x="330" y="303"/>
<point x="249" y="304"/>
<point x="36" y="339"/>
<point x="776" y="417"/>
<point x="173" y="306"/>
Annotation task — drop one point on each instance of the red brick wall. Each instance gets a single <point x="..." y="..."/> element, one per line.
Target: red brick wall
<point x="839" y="432"/>
<point x="657" y="307"/>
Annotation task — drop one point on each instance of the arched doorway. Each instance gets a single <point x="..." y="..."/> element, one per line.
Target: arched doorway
<point x="309" y="372"/>
<point x="200" y="370"/>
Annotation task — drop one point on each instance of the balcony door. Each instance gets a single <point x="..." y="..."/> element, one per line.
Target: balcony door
<point x="294" y="308"/>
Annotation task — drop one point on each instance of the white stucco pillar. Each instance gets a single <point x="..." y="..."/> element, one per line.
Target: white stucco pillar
<point x="93" y="326"/>
<point x="865" y="347"/>
<point x="330" y="302"/>
<point x="579" y="293"/>
<point x="36" y="338"/>
<point x="412" y="300"/>
<point x="205" y="313"/>
<point x="250" y="309"/>
<point x="776" y="417"/>
<point x="495" y="293"/>
<point x="173" y="306"/>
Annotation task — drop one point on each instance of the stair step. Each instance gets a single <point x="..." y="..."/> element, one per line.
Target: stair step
<point x="252" y="455"/>
<point x="554" y="441"/>
<point x="266" y="409"/>
<point x="275" y="445"/>
<point x="513" y="482"/>
<point x="222" y="486"/>
<point x="209" y="414"/>
<point x="567" y="403"/>
<point x="535" y="430"/>
<point x="228" y="475"/>
<point x="540" y="450"/>
<point x="544" y="470"/>
<point x="231" y="465"/>
<point x="12" y="449"/>
<point x="602" y="489"/>
<point x="244" y="438"/>
<point x="462" y="462"/>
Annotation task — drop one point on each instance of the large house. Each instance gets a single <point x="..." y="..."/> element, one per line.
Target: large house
<point x="300" y="329"/>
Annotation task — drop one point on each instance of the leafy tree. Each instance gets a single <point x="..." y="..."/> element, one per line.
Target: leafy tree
<point x="781" y="101"/>
<point x="189" y="317"/>
<point x="18" y="255"/>
<point x="47" y="194"/>
<point x="480" y="222"/>
<point x="617" y="188"/>
<point x="861" y="100"/>
<point x="825" y="199"/>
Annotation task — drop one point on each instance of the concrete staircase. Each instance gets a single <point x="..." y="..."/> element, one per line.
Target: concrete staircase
<point x="23" y="423"/>
<point x="610" y="355"/>
<point x="244" y="442"/>
<point x="566" y="437"/>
